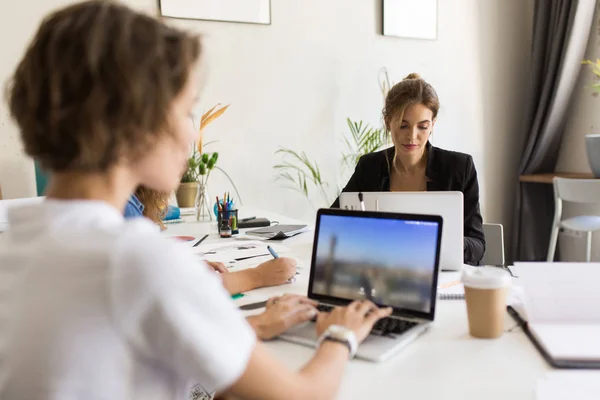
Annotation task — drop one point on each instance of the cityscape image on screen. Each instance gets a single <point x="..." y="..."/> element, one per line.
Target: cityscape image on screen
<point x="388" y="261"/>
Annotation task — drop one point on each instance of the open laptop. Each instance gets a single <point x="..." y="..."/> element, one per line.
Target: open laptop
<point x="449" y="205"/>
<point x="391" y="259"/>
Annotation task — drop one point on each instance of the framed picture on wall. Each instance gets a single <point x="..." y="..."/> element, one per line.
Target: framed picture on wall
<point x="415" y="19"/>
<point x="245" y="11"/>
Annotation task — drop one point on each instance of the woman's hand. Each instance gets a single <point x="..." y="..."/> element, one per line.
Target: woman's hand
<point x="359" y="316"/>
<point x="217" y="266"/>
<point x="281" y="314"/>
<point x="274" y="272"/>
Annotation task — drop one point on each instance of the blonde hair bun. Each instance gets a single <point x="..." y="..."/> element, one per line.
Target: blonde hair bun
<point x="413" y="75"/>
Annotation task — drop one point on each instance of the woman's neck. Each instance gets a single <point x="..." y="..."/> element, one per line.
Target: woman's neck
<point x="113" y="187"/>
<point x="410" y="164"/>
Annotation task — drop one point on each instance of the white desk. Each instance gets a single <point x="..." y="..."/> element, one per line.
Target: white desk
<point x="444" y="363"/>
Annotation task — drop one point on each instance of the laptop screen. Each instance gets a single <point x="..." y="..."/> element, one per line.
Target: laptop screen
<point x="390" y="259"/>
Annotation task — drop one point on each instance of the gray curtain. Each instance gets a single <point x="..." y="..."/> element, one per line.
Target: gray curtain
<point x="561" y="29"/>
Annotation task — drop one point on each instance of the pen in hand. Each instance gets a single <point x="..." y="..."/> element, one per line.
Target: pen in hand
<point x="275" y="255"/>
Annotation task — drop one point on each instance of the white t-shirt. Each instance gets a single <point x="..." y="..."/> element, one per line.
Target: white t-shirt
<point x="96" y="307"/>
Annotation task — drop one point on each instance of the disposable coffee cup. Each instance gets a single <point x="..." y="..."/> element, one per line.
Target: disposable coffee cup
<point x="486" y="289"/>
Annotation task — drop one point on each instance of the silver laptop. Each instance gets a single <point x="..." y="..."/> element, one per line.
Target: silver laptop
<point x="389" y="258"/>
<point x="449" y="205"/>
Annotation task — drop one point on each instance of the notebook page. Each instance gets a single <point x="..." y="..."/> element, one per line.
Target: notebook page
<point x="576" y="341"/>
<point x="560" y="293"/>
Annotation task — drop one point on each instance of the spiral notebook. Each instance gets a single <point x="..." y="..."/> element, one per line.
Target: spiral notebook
<point x="454" y="292"/>
<point x="450" y="287"/>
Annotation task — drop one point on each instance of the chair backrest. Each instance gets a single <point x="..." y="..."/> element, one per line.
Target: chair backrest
<point x="577" y="190"/>
<point x="494" y="245"/>
<point x="41" y="179"/>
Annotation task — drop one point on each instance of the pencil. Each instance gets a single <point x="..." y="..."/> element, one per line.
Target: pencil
<point x="200" y="241"/>
<point x="449" y="284"/>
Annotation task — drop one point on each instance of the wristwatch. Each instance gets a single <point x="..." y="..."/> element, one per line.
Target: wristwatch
<point x="340" y="334"/>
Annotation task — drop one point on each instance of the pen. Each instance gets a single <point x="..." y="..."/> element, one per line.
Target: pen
<point x="362" y="203"/>
<point x="247" y="219"/>
<point x="200" y="240"/>
<point x="273" y="253"/>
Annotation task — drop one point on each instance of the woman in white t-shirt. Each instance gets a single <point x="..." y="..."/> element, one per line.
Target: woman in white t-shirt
<point x="96" y="307"/>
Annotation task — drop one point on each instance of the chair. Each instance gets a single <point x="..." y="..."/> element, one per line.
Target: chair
<point x="494" y="245"/>
<point x="586" y="191"/>
<point x="41" y="179"/>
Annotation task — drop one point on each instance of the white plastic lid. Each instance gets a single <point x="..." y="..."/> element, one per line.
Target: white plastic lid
<point x="485" y="277"/>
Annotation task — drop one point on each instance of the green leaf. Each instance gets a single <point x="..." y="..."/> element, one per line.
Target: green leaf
<point x="299" y="170"/>
<point x="363" y="139"/>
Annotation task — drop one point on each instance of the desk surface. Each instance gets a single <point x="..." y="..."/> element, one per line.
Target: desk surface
<point x="547" y="178"/>
<point x="444" y="363"/>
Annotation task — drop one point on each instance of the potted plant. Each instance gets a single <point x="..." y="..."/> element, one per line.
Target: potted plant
<point x="302" y="174"/>
<point x="186" y="192"/>
<point x="592" y="141"/>
<point x="197" y="165"/>
<point x="192" y="191"/>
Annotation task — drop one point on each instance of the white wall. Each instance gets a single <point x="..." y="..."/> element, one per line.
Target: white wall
<point x="583" y="118"/>
<point x="293" y="84"/>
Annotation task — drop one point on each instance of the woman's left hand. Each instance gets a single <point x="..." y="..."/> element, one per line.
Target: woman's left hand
<point x="281" y="314"/>
<point x="217" y="266"/>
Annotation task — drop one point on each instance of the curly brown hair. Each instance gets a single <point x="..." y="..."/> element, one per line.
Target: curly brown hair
<point x="155" y="203"/>
<point x="411" y="90"/>
<point x="96" y="83"/>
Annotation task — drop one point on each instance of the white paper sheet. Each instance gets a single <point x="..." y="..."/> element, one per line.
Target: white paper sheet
<point x="561" y="292"/>
<point x="573" y="341"/>
<point x="567" y="385"/>
<point x="562" y="302"/>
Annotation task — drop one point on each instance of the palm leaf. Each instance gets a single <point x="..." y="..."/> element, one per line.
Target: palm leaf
<point x="206" y="114"/>
<point x="363" y="139"/>
<point x="300" y="172"/>
<point x="210" y="118"/>
<point x="306" y="167"/>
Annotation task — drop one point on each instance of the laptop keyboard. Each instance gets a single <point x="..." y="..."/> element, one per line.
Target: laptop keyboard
<point x="383" y="327"/>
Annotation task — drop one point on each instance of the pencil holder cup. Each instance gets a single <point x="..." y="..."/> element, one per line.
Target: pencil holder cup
<point x="228" y="219"/>
<point x="219" y="205"/>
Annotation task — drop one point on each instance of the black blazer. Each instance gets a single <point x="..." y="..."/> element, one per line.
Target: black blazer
<point x="447" y="171"/>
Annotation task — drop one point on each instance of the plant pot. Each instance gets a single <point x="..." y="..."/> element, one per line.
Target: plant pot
<point x="592" y="147"/>
<point x="186" y="194"/>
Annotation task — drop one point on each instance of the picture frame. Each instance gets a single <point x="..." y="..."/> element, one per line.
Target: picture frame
<point x="414" y="19"/>
<point x="238" y="11"/>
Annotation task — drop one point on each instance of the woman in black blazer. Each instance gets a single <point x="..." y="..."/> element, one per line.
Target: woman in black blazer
<point x="413" y="164"/>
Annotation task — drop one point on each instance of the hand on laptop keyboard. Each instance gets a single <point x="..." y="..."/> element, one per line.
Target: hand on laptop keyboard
<point x="359" y="316"/>
<point x="282" y="313"/>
